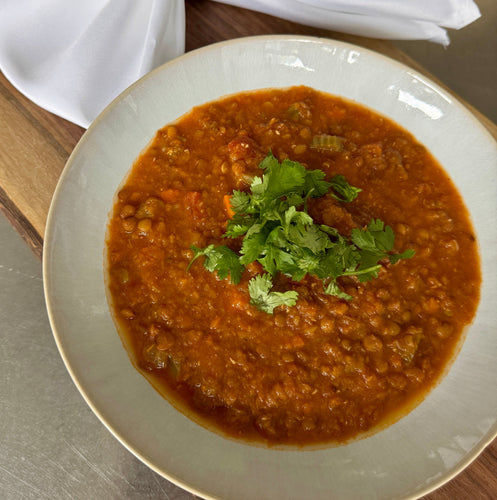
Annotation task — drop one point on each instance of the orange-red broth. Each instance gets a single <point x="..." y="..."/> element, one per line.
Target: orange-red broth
<point x="325" y="370"/>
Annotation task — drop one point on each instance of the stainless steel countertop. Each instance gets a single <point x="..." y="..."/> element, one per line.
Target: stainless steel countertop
<point x="51" y="444"/>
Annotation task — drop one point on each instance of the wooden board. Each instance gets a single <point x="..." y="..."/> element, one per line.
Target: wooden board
<point x="35" y="145"/>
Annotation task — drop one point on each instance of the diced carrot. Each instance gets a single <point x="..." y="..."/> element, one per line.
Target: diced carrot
<point x="227" y="205"/>
<point x="194" y="204"/>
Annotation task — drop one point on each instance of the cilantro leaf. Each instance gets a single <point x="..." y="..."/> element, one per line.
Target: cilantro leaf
<point x="279" y="180"/>
<point x="236" y="229"/>
<point x="240" y="202"/>
<point x="407" y="254"/>
<point x="253" y="245"/>
<point x="345" y="192"/>
<point x="261" y="296"/>
<point x="279" y="259"/>
<point x="315" y="183"/>
<point x="376" y="241"/>
<point x="383" y="235"/>
<point x="292" y="215"/>
<point x="363" y="239"/>
<point x="334" y="289"/>
<point x="315" y="239"/>
<point x="220" y="259"/>
<point x="269" y="162"/>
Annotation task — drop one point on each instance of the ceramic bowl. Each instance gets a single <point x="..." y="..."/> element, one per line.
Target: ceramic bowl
<point x="411" y="457"/>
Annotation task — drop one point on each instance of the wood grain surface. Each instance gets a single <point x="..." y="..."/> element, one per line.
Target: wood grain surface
<point x="35" y="145"/>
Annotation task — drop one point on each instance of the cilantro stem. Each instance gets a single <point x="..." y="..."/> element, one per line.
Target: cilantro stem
<point x="359" y="272"/>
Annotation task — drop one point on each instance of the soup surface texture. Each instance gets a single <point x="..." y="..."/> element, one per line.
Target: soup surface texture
<point x="326" y="369"/>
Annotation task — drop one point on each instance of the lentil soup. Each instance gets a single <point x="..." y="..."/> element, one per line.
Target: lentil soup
<point x="326" y="369"/>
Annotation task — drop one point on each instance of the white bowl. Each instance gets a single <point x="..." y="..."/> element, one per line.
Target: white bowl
<point x="415" y="455"/>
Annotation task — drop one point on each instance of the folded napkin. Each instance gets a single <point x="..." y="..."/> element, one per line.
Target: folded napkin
<point x="388" y="19"/>
<point x="73" y="57"/>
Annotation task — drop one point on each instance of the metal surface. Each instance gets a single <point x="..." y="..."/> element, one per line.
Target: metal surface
<point x="51" y="444"/>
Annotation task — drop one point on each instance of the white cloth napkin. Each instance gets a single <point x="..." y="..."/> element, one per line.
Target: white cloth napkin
<point x="72" y="57"/>
<point x="388" y="19"/>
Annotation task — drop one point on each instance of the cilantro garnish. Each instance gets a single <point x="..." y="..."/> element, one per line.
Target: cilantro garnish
<point x="220" y="259"/>
<point x="265" y="300"/>
<point x="278" y="233"/>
